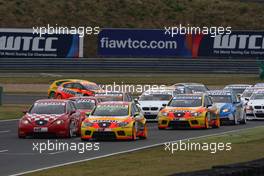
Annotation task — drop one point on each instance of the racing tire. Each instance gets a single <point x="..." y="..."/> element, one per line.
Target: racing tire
<point x="51" y="95"/>
<point x="244" y="121"/>
<point x="145" y="136"/>
<point x="134" y="133"/>
<point x="217" y="124"/>
<point x="71" y="130"/>
<point x="206" y="123"/>
<point x="59" y="96"/>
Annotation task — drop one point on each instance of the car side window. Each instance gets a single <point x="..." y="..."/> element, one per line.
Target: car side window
<point x="68" y="108"/>
<point x="77" y="86"/>
<point x="69" y="85"/>
<point x="73" y="107"/>
<point x="210" y="101"/>
<point x="132" y="110"/>
<point x="129" y="97"/>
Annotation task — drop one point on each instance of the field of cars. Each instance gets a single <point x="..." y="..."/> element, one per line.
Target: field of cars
<point x="79" y="108"/>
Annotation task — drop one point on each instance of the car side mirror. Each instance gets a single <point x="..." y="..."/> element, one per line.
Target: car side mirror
<point x="247" y="99"/>
<point x="164" y="105"/>
<point x="136" y="114"/>
<point x="25" y="111"/>
<point x="72" y="112"/>
<point x="88" y="114"/>
<point x="208" y="106"/>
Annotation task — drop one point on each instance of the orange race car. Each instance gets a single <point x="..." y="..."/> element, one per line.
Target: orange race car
<point x="76" y="88"/>
<point x="189" y="111"/>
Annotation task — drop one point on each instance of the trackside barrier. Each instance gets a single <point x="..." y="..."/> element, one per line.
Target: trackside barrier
<point x="252" y="168"/>
<point x="1" y="96"/>
<point x="128" y="65"/>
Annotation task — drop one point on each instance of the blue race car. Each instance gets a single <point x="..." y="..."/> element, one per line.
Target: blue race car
<point x="230" y="108"/>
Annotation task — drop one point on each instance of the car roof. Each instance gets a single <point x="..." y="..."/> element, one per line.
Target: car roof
<point x="52" y="100"/>
<point x="115" y="103"/>
<point x="79" y="81"/>
<point x="83" y="97"/>
<point x="238" y="85"/>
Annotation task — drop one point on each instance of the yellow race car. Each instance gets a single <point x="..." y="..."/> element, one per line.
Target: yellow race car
<point x="114" y="120"/>
<point x="189" y="111"/>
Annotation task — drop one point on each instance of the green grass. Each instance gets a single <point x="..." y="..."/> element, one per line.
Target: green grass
<point x="12" y="111"/>
<point x="130" y="14"/>
<point x="247" y="145"/>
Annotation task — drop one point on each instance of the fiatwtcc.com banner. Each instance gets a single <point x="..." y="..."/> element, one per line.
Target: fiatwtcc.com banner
<point x="142" y="42"/>
<point x="154" y="43"/>
<point x="237" y="44"/>
<point x="23" y="43"/>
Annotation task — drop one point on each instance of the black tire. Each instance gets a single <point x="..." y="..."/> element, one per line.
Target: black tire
<point x="51" y="95"/>
<point x="71" y="128"/>
<point x="244" y="121"/>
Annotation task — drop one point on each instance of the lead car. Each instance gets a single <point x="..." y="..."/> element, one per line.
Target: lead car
<point x="50" y="118"/>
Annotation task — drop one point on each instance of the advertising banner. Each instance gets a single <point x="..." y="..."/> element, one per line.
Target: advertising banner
<point x="154" y="43"/>
<point x="238" y="44"/>
<point x="23" y="43"/>
<point x="142" y="43"/>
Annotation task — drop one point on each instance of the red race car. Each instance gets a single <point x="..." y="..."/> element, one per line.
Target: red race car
<point x="77" y="88"/>
<point x="84" y="104"/>
<point x="58" y="118"/>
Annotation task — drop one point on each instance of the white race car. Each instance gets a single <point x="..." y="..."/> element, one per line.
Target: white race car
<point x="151" y="102"/>
<point x="248" y="92"/>
<point x="255" y="106"/>
<point x="238" y="89"/>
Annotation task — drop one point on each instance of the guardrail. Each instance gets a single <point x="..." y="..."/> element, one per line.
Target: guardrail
<point x="128" y="65"/>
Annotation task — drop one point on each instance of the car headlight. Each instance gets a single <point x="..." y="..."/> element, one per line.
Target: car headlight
<point x="87" y="124"/>
<point x="196" y="114"/>
<point x="164" y="114"/>
<point x="123" y="124"/>
<point x="25" y="121"/>
<point x="226" y="110"/>
<point x="59" y="122"/>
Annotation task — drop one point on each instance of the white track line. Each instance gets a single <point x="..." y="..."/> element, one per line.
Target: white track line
<point x="2" y="151"/>
<point x="132" y="150"/>
<point x="7" y="131"/>
<point x="8" y="120"/>
<point x="53" y="153"/>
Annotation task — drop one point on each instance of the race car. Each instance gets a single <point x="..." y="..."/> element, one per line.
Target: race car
<point x="238" y="89"/>
<point x="194" y="87"/>
<point x="248" y="92"/>
<point x="230" y="109"/>
<point x="151" y="101"/>
<point x="77" y="88"/>
<point x="255" y="106"/>
<point x="113" y="96"/>
<point x="114" y="120"/>
<point x="259" y="85"/>
<point x="84" y="104"/>
<point x="50" y="117"/>
<point x="54" y="86"/>
<point x="189" y="111"/>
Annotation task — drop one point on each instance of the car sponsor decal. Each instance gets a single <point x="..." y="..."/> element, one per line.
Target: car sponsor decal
<point x="46" y="117"/>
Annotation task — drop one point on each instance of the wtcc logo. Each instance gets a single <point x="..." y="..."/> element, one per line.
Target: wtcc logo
<point x="27" y="43"/>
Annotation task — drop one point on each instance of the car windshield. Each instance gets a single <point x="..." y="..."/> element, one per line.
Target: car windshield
<point x="91" y="87"/>
<point x="110" y="98"/>
<point x="247" y="94"/>
<point x="111" y="110"/>
<point x="192" y="101"/>
<point x="48" y="108"/>
<point x="238" y="90"/>
<point x="85" y="104"/>
<point x="198" y="88"/>
<point x="257" y="96"/>
<point x="221" y="99"/>
<point x="155" y="97"/>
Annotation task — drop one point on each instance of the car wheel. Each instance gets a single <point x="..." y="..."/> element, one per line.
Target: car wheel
<point x="134" y="133"/>
<point x="217" y="123"/>
<point x="206" y="123"/>
<point x="244" y="120"/>
<point x="59" y="96"/>
<point x="52" y="95"/>
<point x="71" y="129"/>
<point x="145" y="132"/>
<point x="234" y="122"/>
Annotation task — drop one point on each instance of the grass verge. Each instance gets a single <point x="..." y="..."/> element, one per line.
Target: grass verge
<point x="247" y="145"/>
<point x="12" y="111"/>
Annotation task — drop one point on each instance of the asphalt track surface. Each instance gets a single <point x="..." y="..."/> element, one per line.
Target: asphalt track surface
<point x="17" y="155"/>
<point x="22" y="98"/>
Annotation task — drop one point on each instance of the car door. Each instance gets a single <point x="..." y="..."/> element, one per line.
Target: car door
<point x="238" y="105"/>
